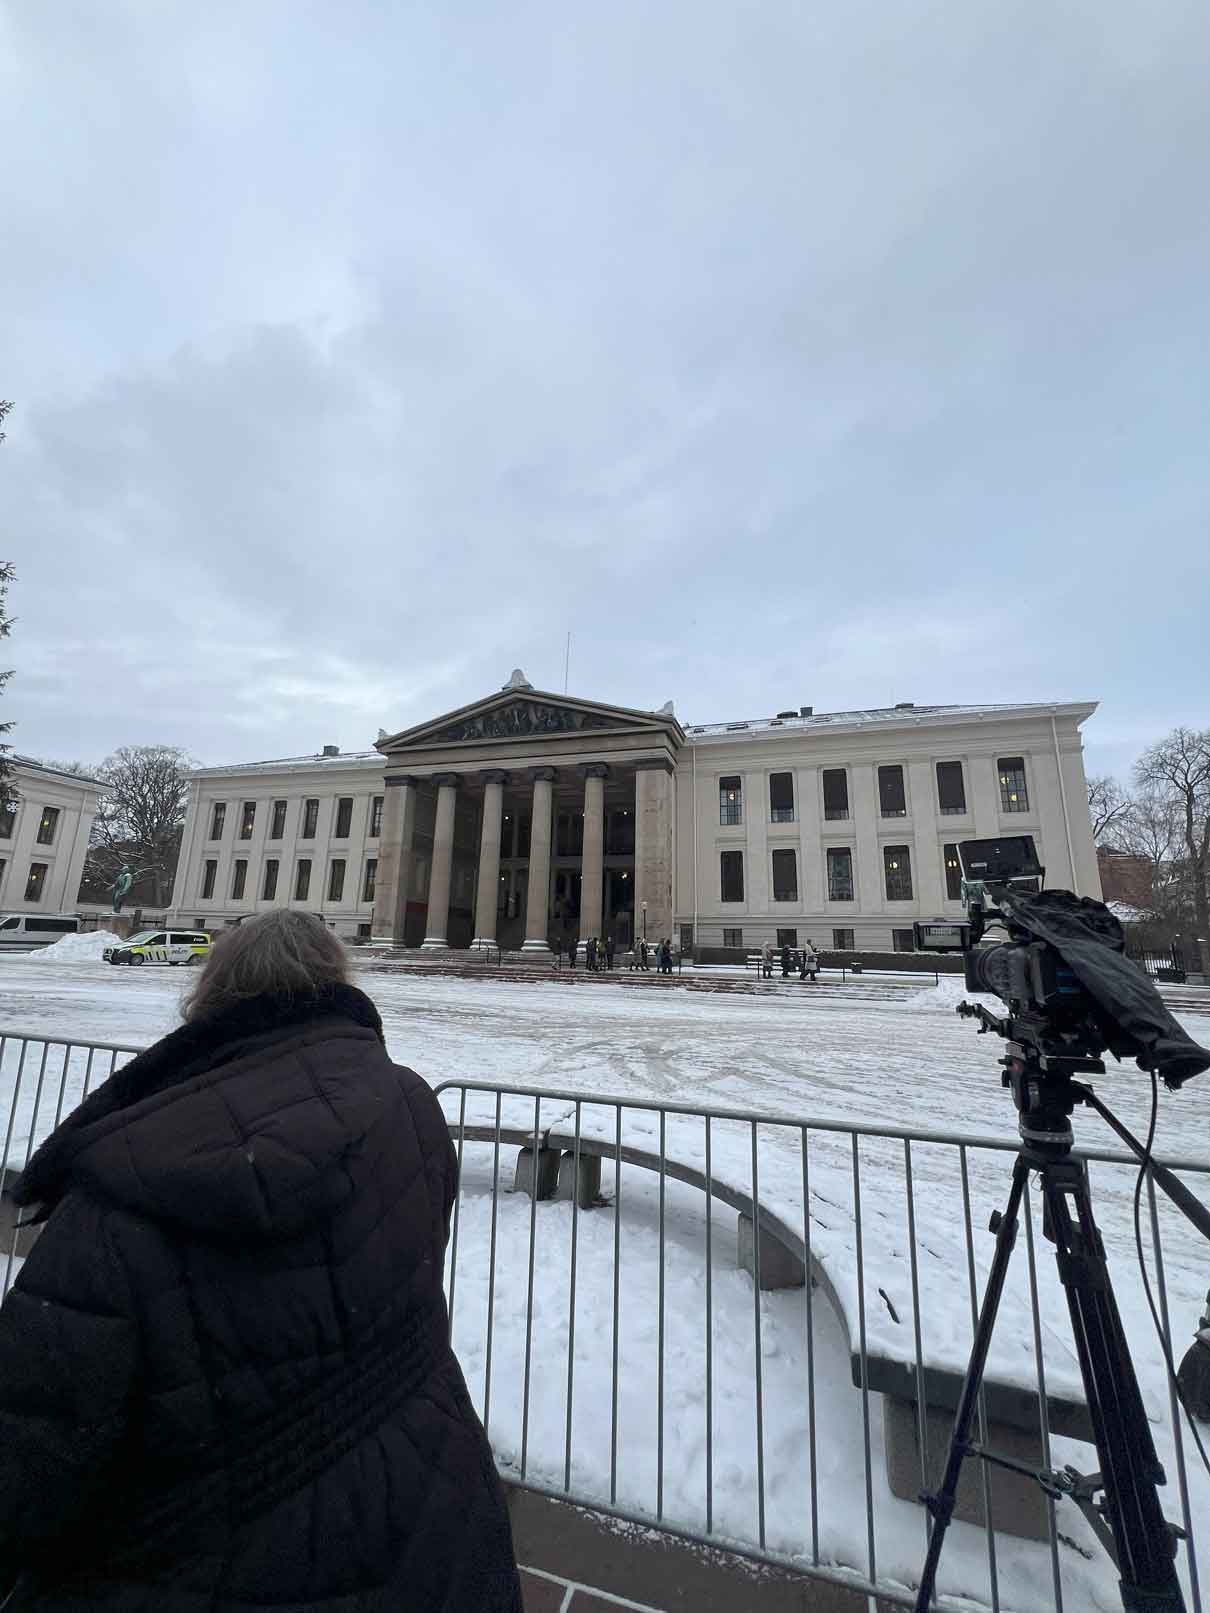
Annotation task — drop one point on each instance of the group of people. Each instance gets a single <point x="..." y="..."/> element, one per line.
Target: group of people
<point x="643" y="952"/>
<point x="599" y="954"/>
<point x="807" y="961"/>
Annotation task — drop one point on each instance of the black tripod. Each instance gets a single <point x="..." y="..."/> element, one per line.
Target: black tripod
<point x="1127" y="1519"/>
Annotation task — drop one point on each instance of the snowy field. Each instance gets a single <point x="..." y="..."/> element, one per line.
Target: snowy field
<point x="824" y="1054"/>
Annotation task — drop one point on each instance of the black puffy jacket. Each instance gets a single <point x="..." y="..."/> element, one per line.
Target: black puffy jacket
<point x="226" y="1382"/>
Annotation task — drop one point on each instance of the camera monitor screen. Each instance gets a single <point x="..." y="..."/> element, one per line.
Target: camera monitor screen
<point x="997" y="862"/>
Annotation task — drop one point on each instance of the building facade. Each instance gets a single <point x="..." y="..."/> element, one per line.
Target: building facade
<point x="528" y="820"/>
<point x="44" y="839"/>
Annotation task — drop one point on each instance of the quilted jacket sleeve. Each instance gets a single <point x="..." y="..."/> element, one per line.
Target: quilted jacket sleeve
<point x="68" y="1363"/>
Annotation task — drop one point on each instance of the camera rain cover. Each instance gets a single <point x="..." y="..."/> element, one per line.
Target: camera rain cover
<point x="1090" y="941"/>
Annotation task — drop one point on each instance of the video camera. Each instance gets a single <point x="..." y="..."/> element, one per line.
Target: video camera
<point x="1072" y="992"/>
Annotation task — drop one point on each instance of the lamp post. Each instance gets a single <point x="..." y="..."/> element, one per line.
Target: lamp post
<point x="644" y="905"/>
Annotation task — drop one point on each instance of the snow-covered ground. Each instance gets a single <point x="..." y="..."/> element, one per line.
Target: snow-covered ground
<point x="813" y="1053"/>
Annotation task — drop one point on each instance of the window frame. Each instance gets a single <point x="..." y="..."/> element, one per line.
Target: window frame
<point x="1007" y="807"/>
<point x="218" y="820"/>
<point x="730" y="801"/>
<point x="337" y="869"/>
<point x="736" y="865"/>
<point x="268" y="891"/>
<point x="897" y="935"/>
<point x="35" y="881"/>
<point x="8" y="819"/>
<point x="54" y="814"/>
<point x="736" y="934"/>
<point x="369" y="879"/>
<point x="952" y="887"/>
<point x="209" y="878"/>
<point x="302" y="879"/>
<point x="247" y="820"/>
<point x="900" y="876"/>
<point x="783" y="852"/>
<point x="835" y="814"/>
<point x="344" y="816"/>
<point x="841" y="945"/>
<point x="782" y="814"/>
<point x="885" y="772"/>
<point x="310" y="816"/>
<point x="239" y="878"/>
<point x="277" y="820"/>
<point x="944" y="811"/>
<point x="840" y="851"/>
<point x="787" y="938"/>
<point x="377" y="802"/>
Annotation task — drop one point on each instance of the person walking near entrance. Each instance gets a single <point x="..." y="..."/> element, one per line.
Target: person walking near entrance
<point x="643" y="953"/>
<point x="666" y="956"/>
<point x="785" y="962"/>
<point x="609" y="951"/>
<point x="590" y="953"/>
<point x="226" y="1377"/>
<point x="767" y="960"/>
<point x="810" y="962"/>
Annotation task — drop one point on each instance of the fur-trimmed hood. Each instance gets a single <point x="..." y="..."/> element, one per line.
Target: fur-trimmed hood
<point x="236" y="1125"/>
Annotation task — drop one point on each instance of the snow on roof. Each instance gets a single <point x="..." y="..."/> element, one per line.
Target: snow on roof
<point x="55" y="772"/>
<point x="344" y="760"/>
<point x="905" y="713"/>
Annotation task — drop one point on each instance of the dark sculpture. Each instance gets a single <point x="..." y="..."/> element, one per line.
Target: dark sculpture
<point x="524" y="717"/>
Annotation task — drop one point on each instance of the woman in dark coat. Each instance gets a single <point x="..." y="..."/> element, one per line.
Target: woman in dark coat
<point x="226" y="1380"/>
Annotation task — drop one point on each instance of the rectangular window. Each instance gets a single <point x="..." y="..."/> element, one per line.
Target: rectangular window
<point x="51" y="926"/>
<point x="731" y="799"/>
<point x="953" y="874"/>
<point x="310" y="819"/>
<point x="733" y="938"/>
<point x="892" y="802"/>
<point x="787" y="938"/>
<point x="302" y="879"/>
<point x="619" y="833"/>
<point x="523" y="827"/>
<point x="364" y="932"/>
<point x="903" y="941"/>
<point x="209" y="875"/>
<point x="47" y="825"/>
<point x="1013" y="794"/>
<point x="344" y="817"/>
<point x="951" y="792"/>
<point x="376" y="817"/>
<point x="781" y="797"/>
<point x="239" y="878"/>
<point x="336" y="879"/>
<point x="278" y="827"/>
<point x="269" y="888"/>
<point x="897" y="866"/>
<point x="840" y="874"/>
<point x="835" y="793"/>
<point x="247" y="820"/>
<point x="731" y="871"/>
<point x="8" y="820"/>
<point x="686" y="937"/>
<point x="785" y="876"/>
<point x="218" y="817"/>
<point x="506" y="835"/>
<point x="370" y="882"/>
<point x="35" y="883"/>
<point x="842" y="940"/>
<point x="569" y="834"/>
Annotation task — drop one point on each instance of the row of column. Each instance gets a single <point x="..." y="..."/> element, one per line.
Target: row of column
<point x="395" y="855"/>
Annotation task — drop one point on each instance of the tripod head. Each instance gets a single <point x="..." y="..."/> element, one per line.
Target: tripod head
<point x="1039" y="1062"/>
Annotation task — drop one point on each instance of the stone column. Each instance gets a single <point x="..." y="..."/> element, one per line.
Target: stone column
<point x="538" y="897"/>
<point x="653" y="848"/>
<point x="488" y="894"/>
<point x="443" y="860"/>
<point x="592" y="867"/>
<point x="394" y="876"/>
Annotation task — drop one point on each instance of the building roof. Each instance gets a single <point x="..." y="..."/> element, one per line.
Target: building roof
<point x="36" y="766"/>
<point x="906" y="714"/>
<point x="902" y="715"/>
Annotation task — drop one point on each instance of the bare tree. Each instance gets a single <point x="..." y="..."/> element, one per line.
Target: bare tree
<point x="142" y="811"/>
<point x="1107" y="804"/>
<point x="1177" y="769"/>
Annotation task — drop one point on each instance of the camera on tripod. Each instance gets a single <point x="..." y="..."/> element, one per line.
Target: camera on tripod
<point x="1071" y="991"/>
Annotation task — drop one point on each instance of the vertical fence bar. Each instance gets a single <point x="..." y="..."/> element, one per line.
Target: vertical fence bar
<point x="571" y="1302"/>
<point x="921" y="1401"/>
<point x="88" y="1073"/>
<point x="709" y="1335"/>
<point x="529" y="1293"/>
<point x="865" y="1363"/>
<point x="457" y="1210"/>
<point x="12" y="1120"/>
<point x="760" y="1364"/>
<point x="974" y="1301"/>
<point x="1043" y="1405"/>
<point x="29" y="1148"/>
<point x="1173" y="1404"/>
<point x="491" y="1269"/>
<point x="617" y="1270"/>
<point x="807" y="1265"/>
<point x="63" y="1078"/>
<point x="659" y="1478"/>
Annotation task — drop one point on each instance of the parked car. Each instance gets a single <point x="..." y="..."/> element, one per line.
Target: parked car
<point x="19" y="932"/>
<point x="161" y="946"/>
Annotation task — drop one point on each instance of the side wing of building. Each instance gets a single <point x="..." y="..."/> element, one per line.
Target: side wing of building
<point x="43" y="841"/>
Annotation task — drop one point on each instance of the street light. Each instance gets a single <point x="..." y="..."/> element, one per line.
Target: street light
<point x="644" y="906"/>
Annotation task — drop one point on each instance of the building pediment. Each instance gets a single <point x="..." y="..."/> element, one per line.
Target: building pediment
<point x="528" y="714"/>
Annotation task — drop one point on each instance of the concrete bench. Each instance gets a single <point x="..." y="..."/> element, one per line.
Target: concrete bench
<point x="567" y="1167"/>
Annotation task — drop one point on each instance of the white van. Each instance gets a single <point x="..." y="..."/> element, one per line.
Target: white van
<point x="20" y="932"/>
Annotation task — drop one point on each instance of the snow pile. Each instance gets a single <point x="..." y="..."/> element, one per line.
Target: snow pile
<point x="946" y="994"/>
<point x="82" y="948"/>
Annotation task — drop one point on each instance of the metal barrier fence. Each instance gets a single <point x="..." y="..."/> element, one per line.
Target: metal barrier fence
<point x="748" y="1330"/>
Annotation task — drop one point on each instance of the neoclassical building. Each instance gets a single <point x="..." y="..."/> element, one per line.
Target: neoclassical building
<point x="44" y="838"/>
<point x="528" y="818"/>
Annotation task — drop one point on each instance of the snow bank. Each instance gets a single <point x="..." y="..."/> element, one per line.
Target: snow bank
<point x="946" y="995"/>
<point x="85" y="948"/>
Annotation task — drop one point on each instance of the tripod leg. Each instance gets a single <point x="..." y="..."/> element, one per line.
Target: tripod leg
<point x="1130" y="1469"/>
<point x="941" y="1505"/>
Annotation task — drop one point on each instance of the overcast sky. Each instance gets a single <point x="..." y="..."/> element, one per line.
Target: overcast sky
<point x="840" y="353"/>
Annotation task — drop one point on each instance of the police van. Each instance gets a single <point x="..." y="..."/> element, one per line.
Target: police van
<point x="161" y="946"/>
